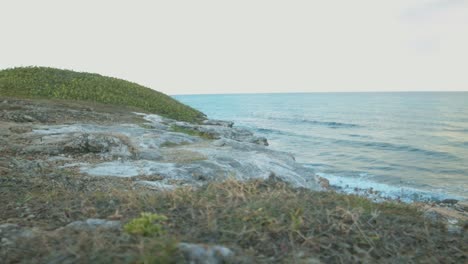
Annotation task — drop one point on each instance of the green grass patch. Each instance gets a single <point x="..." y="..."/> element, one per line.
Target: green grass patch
<point x="50" y="83"/>
<point x="192" y="132"/>
<point x="148" y="224"/>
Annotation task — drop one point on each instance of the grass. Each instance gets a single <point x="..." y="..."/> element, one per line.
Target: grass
<point x="264" y="221"/>
<point x="50" y="83"/>
<point x="192" y="132"/>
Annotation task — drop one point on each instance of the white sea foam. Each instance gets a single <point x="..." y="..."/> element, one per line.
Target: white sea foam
<point x="381" y="191"/>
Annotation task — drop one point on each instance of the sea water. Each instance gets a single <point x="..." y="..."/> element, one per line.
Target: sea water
<point x="408" y="146"/>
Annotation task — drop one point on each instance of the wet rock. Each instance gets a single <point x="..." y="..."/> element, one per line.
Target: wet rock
<point x="259" y="140"/>
<point x="204" y="254"/>
<point x="93" y="224"/>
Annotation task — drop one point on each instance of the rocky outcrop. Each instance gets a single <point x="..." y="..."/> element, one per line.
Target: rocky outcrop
<point x="224" y="131"/>
<point x="211" y="122"/>
<point x="98" y="143"/>
<point x="452" y="213"/>
<point x="155" y="149"/>
<point x="155" y="152"/>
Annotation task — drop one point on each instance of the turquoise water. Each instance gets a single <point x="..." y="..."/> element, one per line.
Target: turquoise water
<point x="412" y="146"/>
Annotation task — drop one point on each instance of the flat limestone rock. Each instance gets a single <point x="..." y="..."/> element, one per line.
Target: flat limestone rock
<point x="205" y="254"/>
<point x="93" y="224"/>
<point x="154" y="149"/>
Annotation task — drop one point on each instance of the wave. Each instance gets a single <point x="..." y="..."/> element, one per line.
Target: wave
<point x="462" y="130"/>
<point x="358" y="136"/>
<point x="382" y="191"/>
<point x="273" y="131"/>
<point x="330" y="124"/>
<point x="394" y="147"/>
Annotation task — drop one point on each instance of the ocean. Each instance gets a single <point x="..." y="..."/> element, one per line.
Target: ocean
<point x="407" y="146"/>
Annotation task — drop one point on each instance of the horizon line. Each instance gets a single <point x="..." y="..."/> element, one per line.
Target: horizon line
<point x="321" y="92"/>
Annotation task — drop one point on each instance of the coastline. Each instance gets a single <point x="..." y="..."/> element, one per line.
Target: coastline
<point x="60" y="152"/>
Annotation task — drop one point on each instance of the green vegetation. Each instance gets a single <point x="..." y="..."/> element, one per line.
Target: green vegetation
<point x="192" y="132"/>
<point x="147" y="224"/>
<point x="264" y="221"/>
<point x="50" y="83"/>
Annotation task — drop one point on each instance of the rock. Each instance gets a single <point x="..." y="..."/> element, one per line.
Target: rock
<point x="157" y="185"/>
<point x="213" y="161"/>
<point x="19" y="118"/>
<point x="324" y="183"/>
<point x="259" y="140"/>
<point x="150" y="155"/>
<point x="43" y="149"/>
<point x="21" y="129"/>
<point x="204" y="254"/>
<point x="454" y="227"/>
<point x="212" y="122"/>
<point x="449" y="201"/>
<point x="448" y="216"/>
<point x="10" y="233"/>
<point x="98" y="143"/>
<point x="184" y="158"/>
<point x="93" y="224"/>
<point x="462" y="206"/>
<point x="220" y="132"/>
<point x="28" y="118"/>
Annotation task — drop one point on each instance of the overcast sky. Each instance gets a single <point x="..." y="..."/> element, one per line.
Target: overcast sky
<point x="238" y="46"/>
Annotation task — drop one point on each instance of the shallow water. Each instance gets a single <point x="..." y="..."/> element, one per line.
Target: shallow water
<point x="412" y="146"/>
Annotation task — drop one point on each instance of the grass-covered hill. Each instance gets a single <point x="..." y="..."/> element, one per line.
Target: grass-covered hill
<point x="50" y="83"/>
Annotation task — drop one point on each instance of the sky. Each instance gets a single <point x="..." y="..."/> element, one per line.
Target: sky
<point x="246" y="46"/>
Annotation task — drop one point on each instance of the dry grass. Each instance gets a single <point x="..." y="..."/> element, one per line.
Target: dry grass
<point x="265" y="221"/>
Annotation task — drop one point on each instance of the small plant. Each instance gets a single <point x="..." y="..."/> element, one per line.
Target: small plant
<point x="148" y="224"/>
<point x="297" y="220"/>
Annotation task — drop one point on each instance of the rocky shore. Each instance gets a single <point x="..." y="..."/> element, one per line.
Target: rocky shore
<point x="165" y="152"/>
<point x="91" y="148"/>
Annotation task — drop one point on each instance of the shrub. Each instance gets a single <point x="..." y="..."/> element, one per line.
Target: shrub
<point x="147" y="224"/>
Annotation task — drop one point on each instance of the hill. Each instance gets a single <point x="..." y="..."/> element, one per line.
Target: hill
<point x="50" y="83"/>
